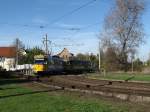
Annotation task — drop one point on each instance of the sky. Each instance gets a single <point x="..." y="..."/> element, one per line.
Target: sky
<point x="31" y="20"/>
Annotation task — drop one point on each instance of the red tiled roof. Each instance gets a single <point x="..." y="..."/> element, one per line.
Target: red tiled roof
<point x="8" y="52"/>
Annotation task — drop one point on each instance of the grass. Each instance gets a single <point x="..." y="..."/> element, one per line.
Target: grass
<point x="121" y="76"/>
<point x="46" y="102"/>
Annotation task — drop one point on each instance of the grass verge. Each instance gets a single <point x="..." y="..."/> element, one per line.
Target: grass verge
<point x="121" y="76"/>
<point x="15" y="98"/>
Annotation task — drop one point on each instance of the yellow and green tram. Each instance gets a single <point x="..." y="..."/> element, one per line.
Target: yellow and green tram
<point x="44" y="64"/>
<point x="39" y="63"/>
<point x="51" y="65"/>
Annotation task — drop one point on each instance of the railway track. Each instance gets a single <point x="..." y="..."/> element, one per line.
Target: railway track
<point x="136" y="92"/>
<point x="81" y="79"/>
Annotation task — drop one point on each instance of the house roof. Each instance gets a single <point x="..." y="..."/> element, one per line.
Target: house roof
<point x="8" y="52"/>
<point x="64" y="52"/>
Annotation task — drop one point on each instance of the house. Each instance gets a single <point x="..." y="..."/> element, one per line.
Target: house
<point x="65" y="55"/>
<point x="7" y="57"/>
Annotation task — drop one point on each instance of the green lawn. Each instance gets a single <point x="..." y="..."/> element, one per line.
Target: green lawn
<point x="46" y="102"/>
<point x="121" y="76"/>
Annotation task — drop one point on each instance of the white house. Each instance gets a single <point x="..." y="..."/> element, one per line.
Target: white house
<point x="7" y="57"/>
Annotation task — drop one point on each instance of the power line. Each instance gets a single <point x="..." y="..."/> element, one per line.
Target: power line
<point x="34" y="26"/>
<point x="86" y="27"/>
<point x="77" y="30"/>
<point x="22" y="25"/>
<point x="66" y="45"/>
<point x="75" y="33"/>
<point x="73" y="11"/>
<point x="40" y="26"/>
<point x="56" y="20"/>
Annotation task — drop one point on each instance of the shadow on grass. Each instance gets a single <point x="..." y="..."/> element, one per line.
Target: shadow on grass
<point x="10" y="74"/>
<point x="27" y="93"/>
<point x="7" y="88"/>
<point x="12" y="81"/>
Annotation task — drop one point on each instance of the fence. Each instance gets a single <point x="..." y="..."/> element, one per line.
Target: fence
<point x="26" y="69"/>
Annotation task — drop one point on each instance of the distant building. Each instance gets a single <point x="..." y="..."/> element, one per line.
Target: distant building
<point x="7" y="57"/>
<point x="65" y="55"/>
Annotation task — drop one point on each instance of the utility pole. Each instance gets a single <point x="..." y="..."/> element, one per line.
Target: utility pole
<point x="132" y="65"/>
<point x="17" y="49"/>
<point x="46" y="42"/>
<point x="132" y="59"/>
<point x="99" y="56"/>
<point x="46" y="45"/>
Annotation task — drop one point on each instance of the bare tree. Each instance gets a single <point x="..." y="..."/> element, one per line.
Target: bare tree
<point x="123" y="28"/>
<point x="110" y="59"/>
<point x="19" y="50"/>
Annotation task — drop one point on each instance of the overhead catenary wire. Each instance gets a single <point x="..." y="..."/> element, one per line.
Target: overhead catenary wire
<point x="73" y="35"/>
<point x="73" y="11"/>
<point x="55" y="20"/>
<point x="86" y="27"/>
<point x="61" y="17"/>
<point x="37" y="26"/>
<point x="76" y="31"/>
<point x="66" y="45"/>
<point x="23" y="25"/>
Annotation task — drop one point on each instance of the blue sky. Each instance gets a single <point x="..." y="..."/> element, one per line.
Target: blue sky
<point x="23" y="18"/>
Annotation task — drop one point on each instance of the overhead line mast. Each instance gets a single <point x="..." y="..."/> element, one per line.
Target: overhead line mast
<point x="46" y="43"/>
<point x="99" y="56"/>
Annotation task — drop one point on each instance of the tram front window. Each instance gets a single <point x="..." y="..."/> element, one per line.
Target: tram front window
<point x="40" y="62"/>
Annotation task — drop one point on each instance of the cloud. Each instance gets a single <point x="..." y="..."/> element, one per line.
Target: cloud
<point x="50" y="2"/>
<point x="39" y="20"/>
<point x="60" y="2"/>
<point x="85" y="35"/>
<point x="64" y="25"/>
